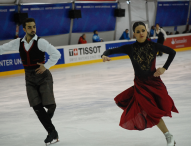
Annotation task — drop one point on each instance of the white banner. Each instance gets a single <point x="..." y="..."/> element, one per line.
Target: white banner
<point x="84" y="52"/>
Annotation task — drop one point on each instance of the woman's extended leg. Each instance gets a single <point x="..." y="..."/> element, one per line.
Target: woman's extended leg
<point x="169" y="137"/>
<point x="161" y="125"/>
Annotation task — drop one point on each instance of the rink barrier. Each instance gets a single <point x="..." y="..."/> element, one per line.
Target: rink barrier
<point x="75" y="55"/>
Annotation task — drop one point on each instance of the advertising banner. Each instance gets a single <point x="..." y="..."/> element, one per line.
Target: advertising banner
<point x="95" y="16"/>
<point x="51" y="19"/>
<point x="172" y="13"/>
<point x="8" y="26"/>
<point x="178" y="42"/>
<point x="83" y="52"/>
<point x="13" y="61"/>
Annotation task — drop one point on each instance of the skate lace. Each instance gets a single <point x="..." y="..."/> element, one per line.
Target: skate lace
<point x="169" y="138"/>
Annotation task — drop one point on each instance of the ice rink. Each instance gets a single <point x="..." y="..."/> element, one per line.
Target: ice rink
<point x="86" y="113"/>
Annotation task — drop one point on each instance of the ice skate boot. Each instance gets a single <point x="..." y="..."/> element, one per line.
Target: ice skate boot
<point x="169" y="139"/>
<point x="51" y="136"/>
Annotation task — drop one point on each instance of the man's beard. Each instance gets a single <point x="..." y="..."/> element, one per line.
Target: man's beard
<point x="31" y="35"/>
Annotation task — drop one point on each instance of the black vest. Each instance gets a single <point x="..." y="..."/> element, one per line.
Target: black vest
<point x="160" y="35"/>
<point x="32" y="56"/>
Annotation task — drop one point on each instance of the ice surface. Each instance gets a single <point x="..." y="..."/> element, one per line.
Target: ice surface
<point x="86" y="113"/>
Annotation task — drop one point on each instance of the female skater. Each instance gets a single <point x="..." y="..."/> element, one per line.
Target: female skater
<point x="146" y="102"/>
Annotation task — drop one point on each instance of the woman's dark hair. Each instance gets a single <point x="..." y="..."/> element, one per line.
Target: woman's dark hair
<point x="28" y="20"/>
<point x="137" y="24"/>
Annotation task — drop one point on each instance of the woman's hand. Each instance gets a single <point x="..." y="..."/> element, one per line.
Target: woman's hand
<point x="159" y="72"/>
<point x="105" y="58"/>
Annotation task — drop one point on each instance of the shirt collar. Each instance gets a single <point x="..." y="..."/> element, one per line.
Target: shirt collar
<point x="34" y="38"/>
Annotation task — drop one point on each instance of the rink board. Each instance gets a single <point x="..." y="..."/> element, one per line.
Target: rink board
<point x="74" y="55"/>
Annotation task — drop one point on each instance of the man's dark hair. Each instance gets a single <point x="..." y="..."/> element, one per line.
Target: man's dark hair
<point x="95" y="31"/>
<point x="158" y="24"/>
<point x="126" y="29"/>
<point x="28" y="20"/>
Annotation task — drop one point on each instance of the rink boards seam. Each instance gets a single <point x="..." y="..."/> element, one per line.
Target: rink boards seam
<point x="79" y="63"/>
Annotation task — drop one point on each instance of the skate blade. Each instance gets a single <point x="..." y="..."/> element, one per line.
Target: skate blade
<point x="53" y="142"/>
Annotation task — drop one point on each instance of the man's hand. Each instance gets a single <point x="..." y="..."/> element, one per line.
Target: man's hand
<point x="159" y="72"/>
<point x="105" y="58"/>
<point x="41" y="69"/>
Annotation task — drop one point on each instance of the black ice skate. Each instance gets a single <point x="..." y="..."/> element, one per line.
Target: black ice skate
<point x="51" y="136"/>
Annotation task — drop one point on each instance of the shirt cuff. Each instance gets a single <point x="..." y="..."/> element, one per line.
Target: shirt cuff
<point x="47" y="66"/>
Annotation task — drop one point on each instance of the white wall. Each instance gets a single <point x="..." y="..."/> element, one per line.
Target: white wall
<point x="7" y="1"/>
<point x="122" y="22"/>
<point x="138" y="10"/>
<point x="106" y="36"/>
<point x="179" y="28"/>
<point x="56" y="40"/>
<point x="151" y="12"/>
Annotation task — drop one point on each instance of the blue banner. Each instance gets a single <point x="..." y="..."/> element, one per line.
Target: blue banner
<point x="51" y="19"/>
<point x="9" y="62"/>
<point x="7" y="24"/>
<point x="95" y="16"/>
<point x="172" y="13"/>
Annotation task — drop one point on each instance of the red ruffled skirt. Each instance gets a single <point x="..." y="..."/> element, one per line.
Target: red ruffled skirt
<point x="144" y="104"/>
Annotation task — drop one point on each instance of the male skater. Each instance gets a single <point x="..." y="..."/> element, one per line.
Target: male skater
<point x="39" y="82"/>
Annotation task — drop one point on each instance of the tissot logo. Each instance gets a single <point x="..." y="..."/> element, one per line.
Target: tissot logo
<point x="73" y="52"/>
<point x="84" y="51"/>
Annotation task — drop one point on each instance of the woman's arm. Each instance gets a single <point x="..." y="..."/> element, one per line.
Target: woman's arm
<point x="169" y="51"/>
<point x="123" y="49"/>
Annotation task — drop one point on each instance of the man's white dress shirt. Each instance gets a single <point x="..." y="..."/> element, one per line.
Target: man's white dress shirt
<point x="158" y="31"/>
<point x="43" y="45"/>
